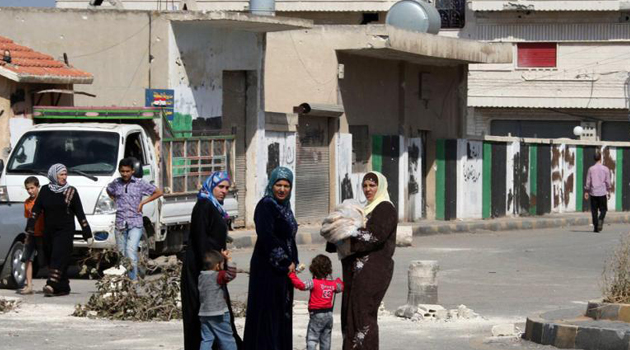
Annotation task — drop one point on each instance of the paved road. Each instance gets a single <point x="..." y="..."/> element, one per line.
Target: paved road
<point x="503" y="276"/>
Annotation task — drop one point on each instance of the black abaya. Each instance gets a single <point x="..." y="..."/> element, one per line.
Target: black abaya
<point x="58" y="232"/>
<point x="208" y="231"/>
<point x="366" y="275"/>
<point x="269" y="324"/>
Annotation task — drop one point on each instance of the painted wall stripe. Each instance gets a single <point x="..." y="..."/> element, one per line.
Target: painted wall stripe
<point x="533" y="176"/>
<point x="377" y="153"/>
<point x="543" y="179"/>
<point x="440" y="178"/>
<point x="625" y="180"/>
<point x="498" y="195"/>
<point x="486" y="210"/>
<point x="619" y="183"/>
<point x="450" y="180"/>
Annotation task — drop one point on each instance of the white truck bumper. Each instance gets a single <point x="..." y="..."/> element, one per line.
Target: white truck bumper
<point x="103" y="229"/>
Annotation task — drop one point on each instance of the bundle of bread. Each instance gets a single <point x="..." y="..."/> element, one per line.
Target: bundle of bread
<point x="342" y="223"/>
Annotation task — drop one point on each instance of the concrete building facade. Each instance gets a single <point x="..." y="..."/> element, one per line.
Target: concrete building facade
<point x="570" y="69"/>
<point x="392" y="107"/>
<point x="212" y="62"/>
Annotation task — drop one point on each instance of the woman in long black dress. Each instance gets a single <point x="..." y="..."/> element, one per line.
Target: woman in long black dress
<point x="61" y="203"/>
<point x="368" y="271"/>
<point x="270" y="301"/>
<point x="208" y="230"/>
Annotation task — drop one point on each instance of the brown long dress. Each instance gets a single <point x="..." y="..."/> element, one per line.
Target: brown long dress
<point x="367" y="274"/>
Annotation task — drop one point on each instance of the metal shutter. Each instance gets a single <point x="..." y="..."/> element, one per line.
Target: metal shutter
<point x="312" y="171"/>
<point x="536" y="54"/>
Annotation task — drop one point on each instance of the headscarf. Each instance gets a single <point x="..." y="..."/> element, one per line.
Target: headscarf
<point x="381" y="191"/>
<point x="55" y="170"/>
<point x="205" y="193"/>
<point x="280" y="173"/>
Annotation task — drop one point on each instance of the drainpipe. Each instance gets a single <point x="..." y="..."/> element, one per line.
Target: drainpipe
<point x="262" y="7"/>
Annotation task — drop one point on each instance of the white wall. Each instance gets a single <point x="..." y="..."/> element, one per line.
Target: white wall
<point x="469" y="179"/>
<point x="198" y="55"/>
<point x="286" y="143"/>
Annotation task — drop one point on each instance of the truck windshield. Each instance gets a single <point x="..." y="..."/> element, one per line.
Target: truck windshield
<point x="92" y="152"/>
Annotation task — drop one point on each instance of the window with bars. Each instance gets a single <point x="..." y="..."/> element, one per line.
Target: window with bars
<point x="452" y="13"/>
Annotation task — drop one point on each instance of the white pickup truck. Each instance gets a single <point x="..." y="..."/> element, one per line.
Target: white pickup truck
<point x="91" y="141"/>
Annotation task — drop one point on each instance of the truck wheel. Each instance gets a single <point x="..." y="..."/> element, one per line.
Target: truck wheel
<point x="13" y="273"/>
<point x="143" y="254"/>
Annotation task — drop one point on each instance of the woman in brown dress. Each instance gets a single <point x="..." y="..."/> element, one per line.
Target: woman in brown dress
<point x="368" y="271"/>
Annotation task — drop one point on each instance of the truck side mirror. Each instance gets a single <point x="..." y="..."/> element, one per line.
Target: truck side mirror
<point x="137" y="168"/>
<point x="1" y="165"/>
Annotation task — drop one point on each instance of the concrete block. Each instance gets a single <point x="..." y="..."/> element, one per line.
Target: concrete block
<point x="406" y="311"/>
<point x="503" y="330"/>
<point x="624" y="313"/>
<point x="548" y="334"/>
<point x="587" y="338"/>
<point x="592" y="310"/>
<point x="609" y="311"/>
<point x="537" y="330"/>
<point x="441" y="315"/>
<point x="612" y="340"/>
<point x="529" y="328"/>
<point x="422" y="282"/>
<point x="404" y="236"/>
<point x="565" y="337"/>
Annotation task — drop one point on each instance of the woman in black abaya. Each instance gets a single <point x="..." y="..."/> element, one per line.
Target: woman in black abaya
<point x="208" y="231"/>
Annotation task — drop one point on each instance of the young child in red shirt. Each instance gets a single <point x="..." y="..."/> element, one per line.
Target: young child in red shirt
<point x="320" y="303"/>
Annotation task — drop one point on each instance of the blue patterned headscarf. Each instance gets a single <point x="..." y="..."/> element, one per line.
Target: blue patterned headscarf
<point x="280" y="173"/>
<point x="211" y="182"/>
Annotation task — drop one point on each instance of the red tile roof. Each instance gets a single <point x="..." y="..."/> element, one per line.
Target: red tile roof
<point x="30" y="66"/>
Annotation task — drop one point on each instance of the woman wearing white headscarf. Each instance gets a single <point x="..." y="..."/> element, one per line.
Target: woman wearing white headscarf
<point x="61" y="203"/>
<point x="368" y="270"/>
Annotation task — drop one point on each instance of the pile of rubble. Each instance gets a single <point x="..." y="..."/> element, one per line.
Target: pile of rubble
<point x="149" y="299"/>
<point x="430" y="312"/>
<point x="7" y="305"/>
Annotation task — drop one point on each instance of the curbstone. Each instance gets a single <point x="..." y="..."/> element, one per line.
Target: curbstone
<point x="611" y="339"/>
<point x="609" y="311"/>
<point x="549" y="332"/>
<point x="587" y="338"/>
<point x="565" y="337"/>
<point x="624" y="313"/>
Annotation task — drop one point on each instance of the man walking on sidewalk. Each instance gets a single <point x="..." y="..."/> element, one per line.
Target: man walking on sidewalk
<point x="598" y="189"/>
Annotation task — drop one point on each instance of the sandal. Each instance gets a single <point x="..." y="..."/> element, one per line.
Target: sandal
<point x="48" y="291"/>
<point x="26" y="290"/>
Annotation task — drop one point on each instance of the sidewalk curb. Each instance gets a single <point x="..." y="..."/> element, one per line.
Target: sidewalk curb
<point x="420" y="229"/>
<point x="247" y="239"/>
<point x="568" y="336"/>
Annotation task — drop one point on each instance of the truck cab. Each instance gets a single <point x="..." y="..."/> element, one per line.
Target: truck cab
<point x="90" y="141"/>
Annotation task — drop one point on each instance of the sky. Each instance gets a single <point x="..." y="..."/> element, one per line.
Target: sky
<point x="34" y="3"/>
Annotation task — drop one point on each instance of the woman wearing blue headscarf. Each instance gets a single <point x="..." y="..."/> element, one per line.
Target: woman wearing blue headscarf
<point x="270" y="300"/>
<point x="208" y="231"/>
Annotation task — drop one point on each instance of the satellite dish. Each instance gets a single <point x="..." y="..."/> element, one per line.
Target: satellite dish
<point x="578" y="131"/>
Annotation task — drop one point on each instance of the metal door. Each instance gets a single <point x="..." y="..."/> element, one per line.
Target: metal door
<point x="312" y="188"/>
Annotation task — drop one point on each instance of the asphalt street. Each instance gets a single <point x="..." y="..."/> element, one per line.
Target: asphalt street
<point x="503" y="276"/>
